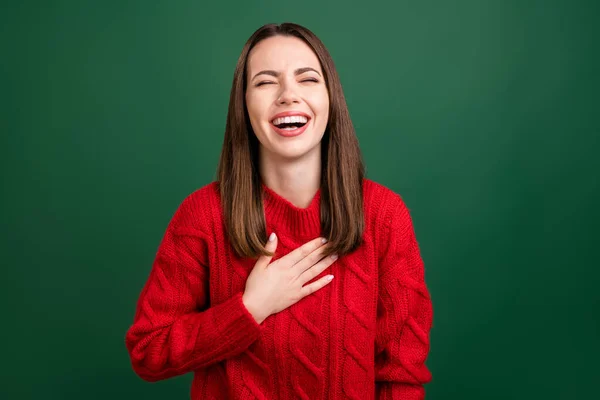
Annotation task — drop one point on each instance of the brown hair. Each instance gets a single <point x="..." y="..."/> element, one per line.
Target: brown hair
<point x="342" y="217"/>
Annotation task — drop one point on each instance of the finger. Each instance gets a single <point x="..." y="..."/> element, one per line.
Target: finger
<point x="313" y="287"/>
<point x="301" y="252"/>
<point x="308" y="261"/>
<point x="271" y="245"/>
<point x="316" y="269"/>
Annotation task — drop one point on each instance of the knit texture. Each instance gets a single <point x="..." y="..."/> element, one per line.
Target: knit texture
<point x="363" y="336"/>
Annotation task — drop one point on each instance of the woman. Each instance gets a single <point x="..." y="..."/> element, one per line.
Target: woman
<point x="242" y="290"/>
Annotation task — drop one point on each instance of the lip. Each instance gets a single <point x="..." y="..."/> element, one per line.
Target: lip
<point x="288" y="133"/>
<point x="289" y="114"/>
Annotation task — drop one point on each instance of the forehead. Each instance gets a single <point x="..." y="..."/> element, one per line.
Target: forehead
<point x="281" y="53"/>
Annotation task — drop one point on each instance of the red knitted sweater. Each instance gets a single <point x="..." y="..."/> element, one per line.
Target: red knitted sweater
<point x="363" y="336"/>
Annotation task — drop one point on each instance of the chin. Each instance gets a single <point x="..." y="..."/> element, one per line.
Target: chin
<point x="290" y="148"/>
<point x="295" y="150"/>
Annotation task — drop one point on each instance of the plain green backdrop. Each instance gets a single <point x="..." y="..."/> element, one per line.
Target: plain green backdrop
<point x="483" y="115"/>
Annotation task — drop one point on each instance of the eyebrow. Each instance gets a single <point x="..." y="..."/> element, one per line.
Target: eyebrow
<point x="276" y="74"/>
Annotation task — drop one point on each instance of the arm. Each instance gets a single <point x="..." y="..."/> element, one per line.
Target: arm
<point x="405" y="313"/>
<point x="174" y="330"/>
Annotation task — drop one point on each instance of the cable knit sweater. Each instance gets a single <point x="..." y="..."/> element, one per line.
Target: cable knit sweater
<point x="363" y="336"/>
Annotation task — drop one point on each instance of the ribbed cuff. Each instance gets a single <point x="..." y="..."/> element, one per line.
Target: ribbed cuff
<point x="237" y="328"/>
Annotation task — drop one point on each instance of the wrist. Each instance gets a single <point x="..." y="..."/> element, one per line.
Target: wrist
<point x="253" y="310"/>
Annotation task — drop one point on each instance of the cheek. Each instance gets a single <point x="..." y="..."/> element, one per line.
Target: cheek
<point x="250" y="105"/>
<point x="321" y="106"/>
<point x="255" y="109"/>
<point x="321" y="99"/>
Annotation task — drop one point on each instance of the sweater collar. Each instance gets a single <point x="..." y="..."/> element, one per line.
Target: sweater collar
<point x="282" y="215"/>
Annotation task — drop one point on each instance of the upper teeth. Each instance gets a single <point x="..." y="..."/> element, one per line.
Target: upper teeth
<point x="289" y="120"/>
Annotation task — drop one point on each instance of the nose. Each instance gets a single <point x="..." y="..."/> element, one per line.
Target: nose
<point x="287" y="95"/>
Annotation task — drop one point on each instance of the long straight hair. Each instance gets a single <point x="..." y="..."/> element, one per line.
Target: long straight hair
<point x="239" y="180"/>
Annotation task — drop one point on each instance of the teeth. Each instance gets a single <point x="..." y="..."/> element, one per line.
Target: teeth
<point x="289" y="120"/>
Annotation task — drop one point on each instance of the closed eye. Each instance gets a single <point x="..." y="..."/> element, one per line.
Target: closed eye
<point x="269" y="82"/>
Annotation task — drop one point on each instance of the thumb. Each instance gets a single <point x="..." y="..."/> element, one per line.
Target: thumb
<point x="270" y="246"/>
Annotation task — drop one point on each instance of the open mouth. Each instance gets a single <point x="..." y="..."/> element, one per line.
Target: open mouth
<point x="290" y="123"/>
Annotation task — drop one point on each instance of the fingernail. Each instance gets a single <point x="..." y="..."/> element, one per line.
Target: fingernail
<point x="335" y="256"/>
<point x="272" y="237"/>
<point x="329" y="277"/>
<point x="323" y="240"/>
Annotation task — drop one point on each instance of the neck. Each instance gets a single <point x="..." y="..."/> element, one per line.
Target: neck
<point x="295" y="180"/>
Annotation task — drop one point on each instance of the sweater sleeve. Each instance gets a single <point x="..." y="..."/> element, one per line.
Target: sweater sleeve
<point x="405" y="313"/>
<point x="174" y="330"/>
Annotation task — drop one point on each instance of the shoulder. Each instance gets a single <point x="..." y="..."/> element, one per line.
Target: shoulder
<point x="388" y="217"/>
<point x="382" y="203"/>
<point x="205" y="194"/>
<point x="198" y="208"/>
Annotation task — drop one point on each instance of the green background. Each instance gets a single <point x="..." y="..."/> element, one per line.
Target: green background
<point x="483" y="115"/>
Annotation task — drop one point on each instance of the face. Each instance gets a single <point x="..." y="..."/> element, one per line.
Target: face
<point x="286" y="97"/>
